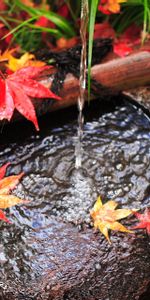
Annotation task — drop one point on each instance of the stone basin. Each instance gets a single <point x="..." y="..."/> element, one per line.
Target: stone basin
<point x="51" y="251"/>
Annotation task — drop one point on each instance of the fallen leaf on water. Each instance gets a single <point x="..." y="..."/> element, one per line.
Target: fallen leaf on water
<point x="17" y="89"/>
<point x="105" y="217"/>
<point x="7" y="184"/>
<point x="144" y="220"/>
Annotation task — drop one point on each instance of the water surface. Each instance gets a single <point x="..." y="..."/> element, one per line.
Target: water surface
<point x="116" y="165"/>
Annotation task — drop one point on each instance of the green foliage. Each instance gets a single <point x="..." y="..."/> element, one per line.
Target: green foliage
<point x="133" y="11"/>
<point x="28" y="35"/>
<point x="27" y="30"/>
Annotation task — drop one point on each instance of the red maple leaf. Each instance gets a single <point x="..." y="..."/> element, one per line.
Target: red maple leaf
<point x="63" y="10"/>
<point x="126" y="43"/>
<point x="16" y="91"/>
<point x="144" y="220"/>
<point x="3" y="170"/>
<point x="122" y="49"/>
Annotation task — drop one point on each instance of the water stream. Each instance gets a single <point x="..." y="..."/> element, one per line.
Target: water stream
<point x="82" y="83"/>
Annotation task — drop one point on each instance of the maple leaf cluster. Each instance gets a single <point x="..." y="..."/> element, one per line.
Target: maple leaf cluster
<point x="7" y="184"/>
<point x="17" y="89"/>
<point x="106" y="216"/>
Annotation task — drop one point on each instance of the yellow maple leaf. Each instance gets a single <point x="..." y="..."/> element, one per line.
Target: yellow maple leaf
<point x="14" y="64"/>
<point x="105" y="217"/>
<point x="25" y="60"/>
<point x="5" y="56"/>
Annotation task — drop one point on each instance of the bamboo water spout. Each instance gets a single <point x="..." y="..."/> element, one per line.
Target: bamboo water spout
<point x="113" y="76"/>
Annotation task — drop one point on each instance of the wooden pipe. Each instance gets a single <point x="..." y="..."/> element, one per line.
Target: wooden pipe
<point x="119" y="74"/>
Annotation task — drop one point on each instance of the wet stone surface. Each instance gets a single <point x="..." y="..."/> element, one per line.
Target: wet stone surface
<point x="50" y="247"/>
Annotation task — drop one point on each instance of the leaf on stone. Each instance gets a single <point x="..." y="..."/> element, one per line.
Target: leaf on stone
<point x="7" y="184"/>
<point x="105" y="217"/>
<point x="7" y="201"/>
<point x="144" y="220"/>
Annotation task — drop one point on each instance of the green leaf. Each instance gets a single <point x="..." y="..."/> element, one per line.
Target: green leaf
<point x="21" y="25"/>
<point x="59" y="21"/>
<point x="93" y="10"/>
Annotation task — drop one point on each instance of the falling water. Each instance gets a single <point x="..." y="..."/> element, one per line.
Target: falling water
<point x="82" y="82"/>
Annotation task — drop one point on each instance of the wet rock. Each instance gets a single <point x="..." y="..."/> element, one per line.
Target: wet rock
<point x="70" y="265"/>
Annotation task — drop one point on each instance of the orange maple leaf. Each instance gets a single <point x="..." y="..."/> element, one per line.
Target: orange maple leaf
<point x="7" y="184"/>
<point x="5" y="56"/>
<point x="105" y="217"/>
<point x="110" y="6"/>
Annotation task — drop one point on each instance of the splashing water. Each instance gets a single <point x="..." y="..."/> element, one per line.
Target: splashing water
<point x="82" y="82"/>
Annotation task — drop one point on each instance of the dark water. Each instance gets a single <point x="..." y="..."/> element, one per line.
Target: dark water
<point x="116" y="164"/>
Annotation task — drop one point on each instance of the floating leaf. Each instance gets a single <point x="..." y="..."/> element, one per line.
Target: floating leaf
<point x="144" y="220"/>
<point x="105" y="217"/>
